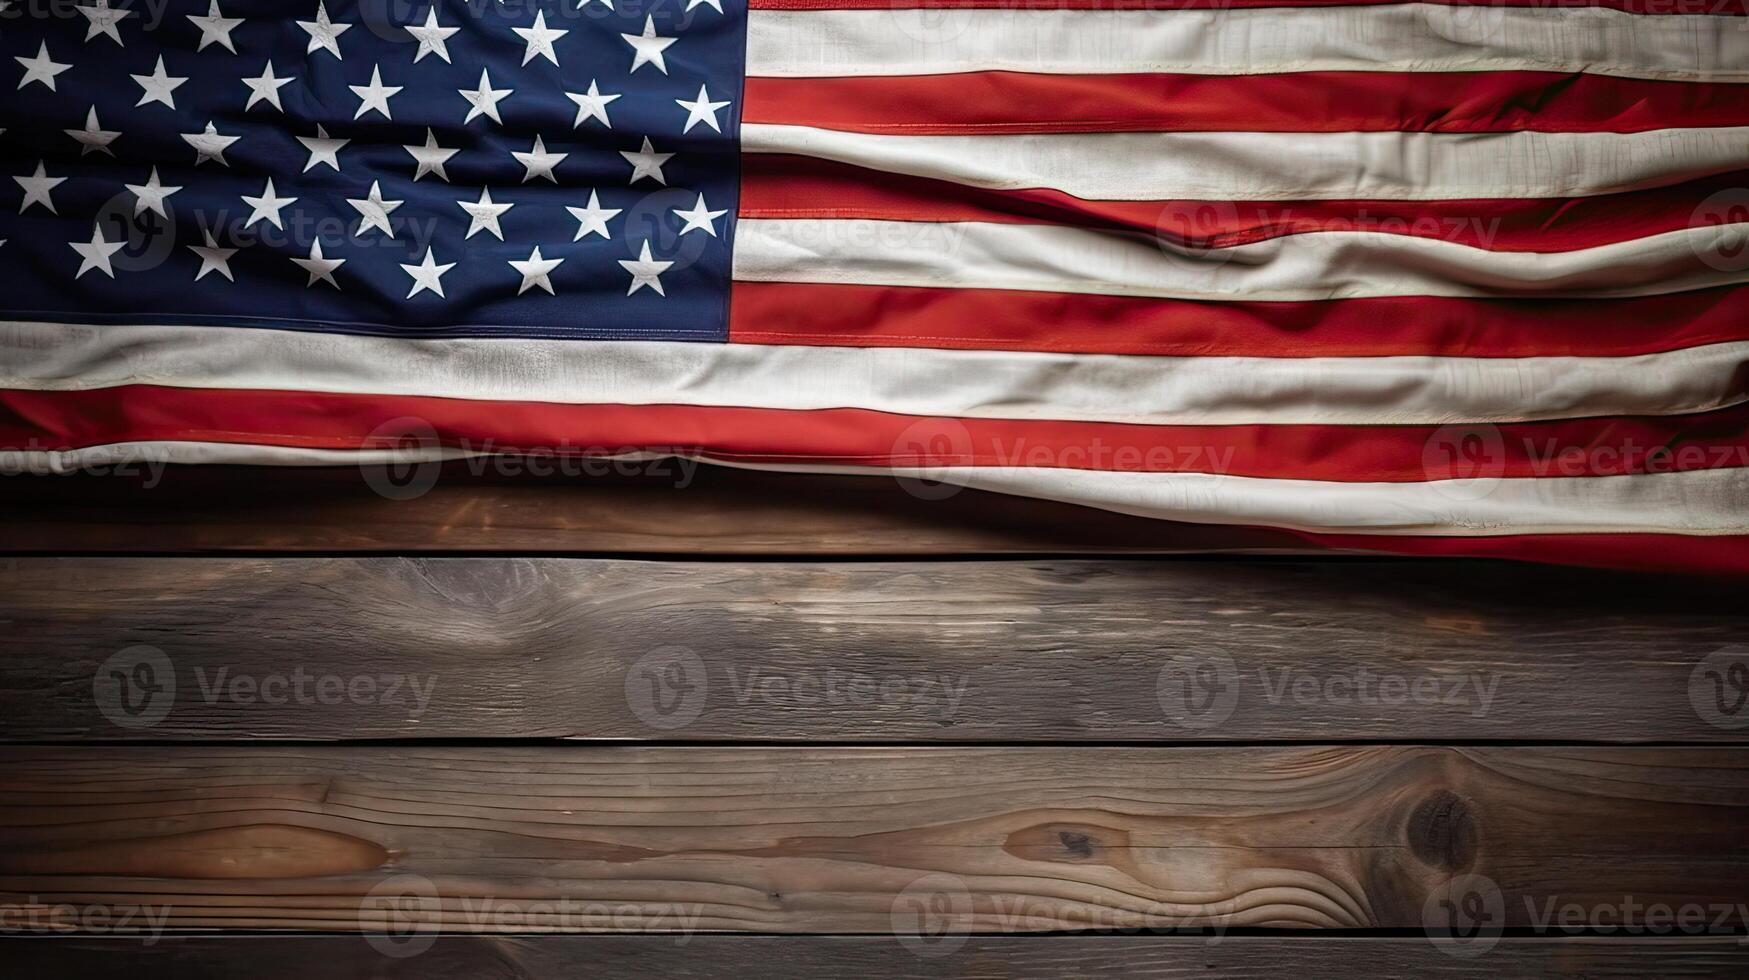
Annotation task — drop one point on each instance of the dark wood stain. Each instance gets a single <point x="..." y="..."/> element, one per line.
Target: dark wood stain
<point x="453" y="957"/>
<point x="1039" y="650"/>
<point x="833" y="840"/>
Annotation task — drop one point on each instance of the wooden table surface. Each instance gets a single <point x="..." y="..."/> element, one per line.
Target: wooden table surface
<point x="273" y="723"/>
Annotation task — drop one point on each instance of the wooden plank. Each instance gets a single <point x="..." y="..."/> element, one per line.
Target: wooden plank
<point x="201" y="509"/>
<point x="907" y="841"/>
<point x="1048" y="650"/>
<point x="873" y="958"/>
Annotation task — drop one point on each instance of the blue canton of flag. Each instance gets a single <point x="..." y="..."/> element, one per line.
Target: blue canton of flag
<point x="531" y="168"/>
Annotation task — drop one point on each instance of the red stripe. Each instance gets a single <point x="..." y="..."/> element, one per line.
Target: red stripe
<point x="1720" y="7"/>
<point x="1329" y="102"/>
<point x="991" y="319"/>
<point x="855" y="437"/>
<point x="338" y="422"/>
<point x="783" y="186"/>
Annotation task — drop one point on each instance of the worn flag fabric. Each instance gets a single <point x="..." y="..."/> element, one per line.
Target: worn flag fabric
<point x="1427" y="278"/>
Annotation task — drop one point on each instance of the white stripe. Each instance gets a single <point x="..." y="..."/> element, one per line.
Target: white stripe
<point x="1698" y="502"/>
<point x="1235" y="166"/>
<point x="62" y="462"/>
<point x="974" y="384"/>
<point x="1291" y="268"/>
<point x="1391" y="37"/>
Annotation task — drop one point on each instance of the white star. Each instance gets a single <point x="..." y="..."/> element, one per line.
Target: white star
<point x="210" y="145"/>
<point x="320" y="267"/>
<point x="265" y="88"/>
<point x="584" y="3"/>
<point x="38" y="189"/>
<point x="103" y="20"/>
<point x="375" y="96"/>
<point x="592" y="220"/>
<point x="322" y="149"/>
<point x="644" y="271"/>
<point x="267" y="206"/>
<point x="539" y="39"/>
<point x="430" y="157"/>
<point x="646" y="163"/>
<point x="375" y="211"/>
<point x="702" y="111"/>
<point x="708" y="3"/>
<point x="699" y="218"/>
<point x="215" y="28"/>
<point x="484" y="100"/>
<point x="96" y="253"/>
<point x="158" y="86"/>
<point x="93" y="137"/>
<point x="151" y="195"/>
<point x="41" y="68"/>
<point x="648" y="46"/>
<point x="592" y="105"/>
<point x="432" y="37"/>
<point x="324" y="33"/>
<point x="536" y="271"/>
<point x="539" y="162"/>
<point x="485" y="214"/>
<point x="213" y="258"/>
<point x="427" y="275"/>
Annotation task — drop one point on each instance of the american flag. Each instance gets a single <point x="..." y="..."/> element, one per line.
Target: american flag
<point x="1426" y="278"/>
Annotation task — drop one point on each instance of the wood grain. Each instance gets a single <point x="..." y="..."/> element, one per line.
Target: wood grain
<point x="873" y="840"/>
<point x="203" y="509"/>
<point x="1043" y="650"/>
<point x="872" y="958"/>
